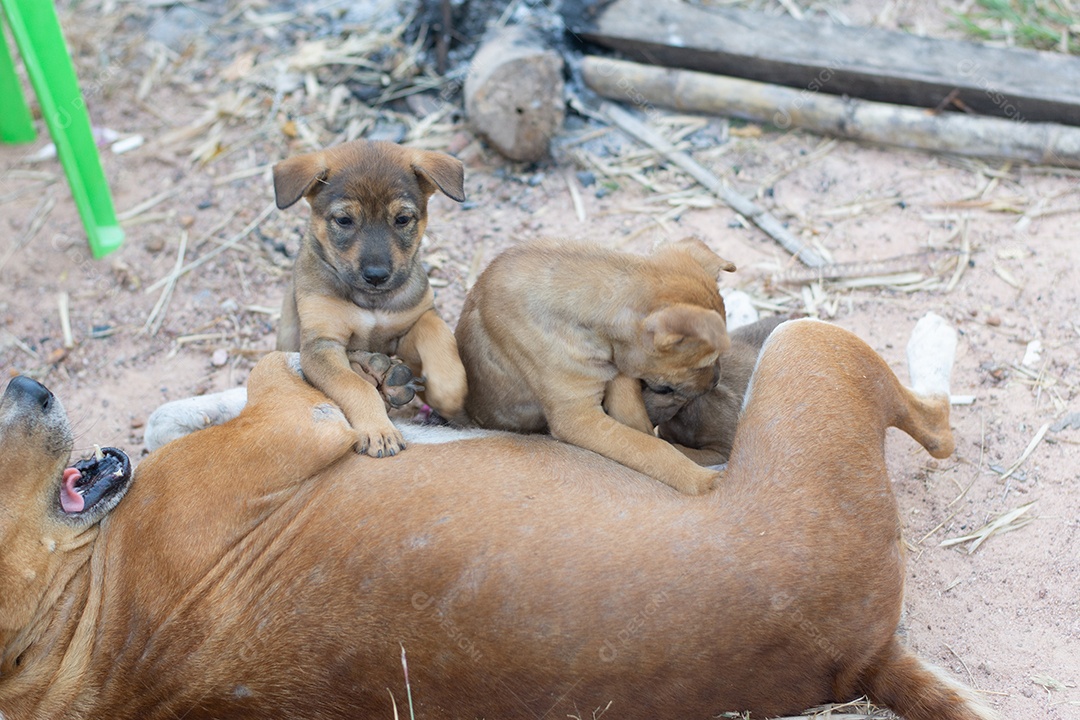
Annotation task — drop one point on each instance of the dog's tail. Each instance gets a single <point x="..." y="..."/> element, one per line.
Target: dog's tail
<point x="918" y="691"/>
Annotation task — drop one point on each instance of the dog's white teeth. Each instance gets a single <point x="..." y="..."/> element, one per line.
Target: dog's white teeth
<point x="98" y="455"/>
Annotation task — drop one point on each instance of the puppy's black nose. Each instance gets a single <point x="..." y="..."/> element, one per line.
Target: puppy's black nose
<point x="27" y="390"/>
<point x="376" y="274"/>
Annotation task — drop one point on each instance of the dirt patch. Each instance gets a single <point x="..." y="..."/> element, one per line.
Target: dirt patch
<point x="989" y="246"/>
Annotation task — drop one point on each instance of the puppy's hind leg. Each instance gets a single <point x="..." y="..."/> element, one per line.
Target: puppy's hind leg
<point x="931" y="351"/>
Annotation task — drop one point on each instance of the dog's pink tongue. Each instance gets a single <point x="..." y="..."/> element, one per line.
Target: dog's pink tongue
<point x="70" y="500"/>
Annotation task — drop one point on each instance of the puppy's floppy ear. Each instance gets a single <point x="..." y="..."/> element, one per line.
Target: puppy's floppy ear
<point x="703" y="255"/>
<point x="686" y="326"/>
<point x="436" y="170"/>
<point x="295" y="177"/>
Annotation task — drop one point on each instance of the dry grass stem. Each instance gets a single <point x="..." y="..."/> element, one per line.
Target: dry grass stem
<point x="63" y="300"/>
<point x="219" y="249"/>
<point x="157" y="315"/>
<point x="1007" y="522"/>
<point x="1039" y="435"/>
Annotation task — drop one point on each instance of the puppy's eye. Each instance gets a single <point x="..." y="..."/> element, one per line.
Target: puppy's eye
<point x="402" y="220"/>
<point x="344" y="221"/>
<point x="661" y="389"/>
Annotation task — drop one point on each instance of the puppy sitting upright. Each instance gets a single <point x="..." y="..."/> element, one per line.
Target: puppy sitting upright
<point x="358" y="283"/>
<point x="553" y="334"/>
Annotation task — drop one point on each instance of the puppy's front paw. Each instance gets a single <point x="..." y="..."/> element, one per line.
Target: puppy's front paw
<point x="393" y="378"/>
<point x="379" y="439"/>
<point x="698" y="482"/>
<point x="446" y="389"/>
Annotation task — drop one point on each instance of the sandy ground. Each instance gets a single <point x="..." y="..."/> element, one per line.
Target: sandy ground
<point x="1004" y="618"/>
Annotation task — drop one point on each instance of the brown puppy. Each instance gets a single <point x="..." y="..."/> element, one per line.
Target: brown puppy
<point x="555" y="333"/>
<point x="358" y="283"/>
<point x="703" y="428"/>
<point x="261" y="569"/>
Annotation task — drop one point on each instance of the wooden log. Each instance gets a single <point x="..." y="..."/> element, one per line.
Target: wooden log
<point x="881" y="123"/>
<point x="867" y="63"/>
<point x="514" y="93"/>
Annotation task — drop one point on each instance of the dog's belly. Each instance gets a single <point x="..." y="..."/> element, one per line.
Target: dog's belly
<point x="551" y="592"/>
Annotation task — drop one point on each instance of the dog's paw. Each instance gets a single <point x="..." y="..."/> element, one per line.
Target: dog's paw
<point x="182" y="417"/>
<point x="698" y="482"/>
<point x="392" y="377"/>
<point x="379" y="440"/>
<point x="931" y="351"/>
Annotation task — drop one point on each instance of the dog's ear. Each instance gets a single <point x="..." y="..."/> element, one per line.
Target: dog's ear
<point x="686" y="326"/>
<point x="439" y="171"/>
<point x="703" y="255"/>
<point x="295" y="177"/>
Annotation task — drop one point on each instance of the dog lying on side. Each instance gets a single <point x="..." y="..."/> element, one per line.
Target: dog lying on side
<point x="358" y="284"/>
<point x="261" y="569"/>
<point x="560" y="336"/>
<point x="703" y="428"/>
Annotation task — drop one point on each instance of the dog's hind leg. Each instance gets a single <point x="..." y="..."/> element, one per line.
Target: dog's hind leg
<point x="925" y="415"/>
<point x="182" y="417"/>
<point x="918" y="691"/>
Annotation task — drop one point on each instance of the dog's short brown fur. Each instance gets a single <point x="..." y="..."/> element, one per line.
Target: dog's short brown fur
<point x="703" y="428"/>
<point x="358" y="283"/>
<point x="260" y="569"/>
<point x="555" y="333"/>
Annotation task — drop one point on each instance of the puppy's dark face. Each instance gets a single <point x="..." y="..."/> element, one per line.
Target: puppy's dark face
<point x="368" y="206"/>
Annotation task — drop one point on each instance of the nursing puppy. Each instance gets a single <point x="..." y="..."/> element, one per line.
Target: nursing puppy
<point x="557" y="333"/>
<point x="703" y="428"/>
<point x="358" y="284"/>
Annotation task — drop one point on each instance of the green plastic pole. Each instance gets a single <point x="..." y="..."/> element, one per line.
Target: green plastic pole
<point x="41" y="44"/>
<point x="16" y="122"/>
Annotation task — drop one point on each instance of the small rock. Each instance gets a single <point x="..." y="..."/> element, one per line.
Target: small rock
<point x="423" y="104"/>
<point x="137" y="422"/>
<point x="155" y="244"/>
<point x="180" y="26"/>
<point x="740" y="309"/>
<point x="459" y="142"/>
<point x="187" y="221"/>
<point x="993" y="320"/>
<point x="587" y="178"/>
<point x="387" y="130"/>
<point x="220" y="357"/>
<point x="1032" y="354"/>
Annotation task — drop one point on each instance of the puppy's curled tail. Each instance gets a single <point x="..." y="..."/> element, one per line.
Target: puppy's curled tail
<point x="918" y="691"/>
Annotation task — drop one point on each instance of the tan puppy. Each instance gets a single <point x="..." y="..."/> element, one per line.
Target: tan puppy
<point x="555" y="333"/>
<point x="261" y="569"/>
<point x="703" y="428"/>
<point x="358" y="283"/>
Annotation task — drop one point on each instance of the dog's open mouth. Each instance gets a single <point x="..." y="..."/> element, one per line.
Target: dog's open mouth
<point x="88" y="481"/>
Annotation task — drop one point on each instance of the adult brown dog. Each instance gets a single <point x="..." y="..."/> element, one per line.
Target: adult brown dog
<point x="703" y="428"/>
<point x="260" y="569"/>
<point x="557" y="333"/>
<point x="358" y="283"/>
